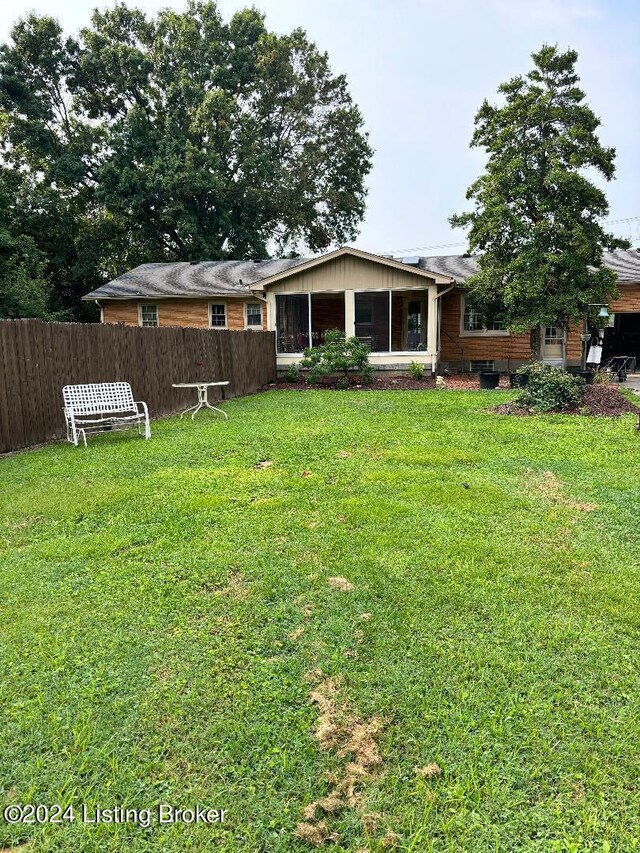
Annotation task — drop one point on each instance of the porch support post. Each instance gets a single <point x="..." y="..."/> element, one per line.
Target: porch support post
<point x="432" y="326"/>
<point x="349" y="313"/>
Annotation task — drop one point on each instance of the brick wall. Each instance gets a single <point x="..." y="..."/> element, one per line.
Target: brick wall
<point x="193" y="313"/>
<point x="456" y="347"/>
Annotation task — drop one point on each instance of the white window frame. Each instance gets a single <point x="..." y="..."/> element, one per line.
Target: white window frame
<point x="256" y="326"/>
<point x="142" y="305"/>
<point x="226" y="315"/>
<point x="483" y="332"/>
<point x="421" y="291"/>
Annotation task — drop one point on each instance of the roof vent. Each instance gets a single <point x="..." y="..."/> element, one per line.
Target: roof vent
<point x="239" y="281"/>
<point x="466" y="254"/>
<point x="194" y="263"/>
<point x="411" y="261"/>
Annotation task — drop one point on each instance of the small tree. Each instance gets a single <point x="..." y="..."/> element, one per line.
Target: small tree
<point x="338" y="354"/>
<point x="536" y="217"/>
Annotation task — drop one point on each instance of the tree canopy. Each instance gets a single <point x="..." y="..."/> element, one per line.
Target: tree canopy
<point x="179" y="137"/>
<point x="537" y="217"/>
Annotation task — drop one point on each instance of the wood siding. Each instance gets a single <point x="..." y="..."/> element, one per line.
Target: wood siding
<point x="350" y="273"/>
<point x="191" y="313"/>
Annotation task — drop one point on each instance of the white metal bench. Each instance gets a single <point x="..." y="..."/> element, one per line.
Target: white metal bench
<point x="102" y="406"/>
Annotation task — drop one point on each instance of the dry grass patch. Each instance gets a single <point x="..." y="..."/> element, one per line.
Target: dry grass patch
<point x="340" y="583"/>
<point x="429" y="771"/>
<point x="547" y="486"/>
<point x="350" y="739"/>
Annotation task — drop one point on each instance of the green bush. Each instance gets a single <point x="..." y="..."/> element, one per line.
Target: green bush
<point x="291" y="373"/>
<point x="337" y="355"/>
<point x="549" y="388"/>
<point x="416" y="370"/>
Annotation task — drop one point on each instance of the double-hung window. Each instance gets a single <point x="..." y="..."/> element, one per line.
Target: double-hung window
<point x="472" y="322"/>
<point x="254" y="315"/>
<point x="149" y="316"/>
<point x="218" y="315"/>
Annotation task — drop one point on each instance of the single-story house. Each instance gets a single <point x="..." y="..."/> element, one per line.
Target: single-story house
<point x="404" y="310"/>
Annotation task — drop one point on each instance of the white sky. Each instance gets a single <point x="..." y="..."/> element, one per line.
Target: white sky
<point x="419" y="69"/>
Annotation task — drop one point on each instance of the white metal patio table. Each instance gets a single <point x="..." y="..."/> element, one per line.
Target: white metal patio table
<point x="203" y="389"/>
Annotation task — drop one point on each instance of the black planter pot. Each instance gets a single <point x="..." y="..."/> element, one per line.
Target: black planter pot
<point x="587" y="375"/>
<point x="489" y="379"/>
<point x="518" y="380"/>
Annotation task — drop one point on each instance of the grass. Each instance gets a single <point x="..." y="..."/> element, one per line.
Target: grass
<point x="169" y="632"/>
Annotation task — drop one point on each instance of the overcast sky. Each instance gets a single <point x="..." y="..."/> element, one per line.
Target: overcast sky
<point x="419" y="69"/>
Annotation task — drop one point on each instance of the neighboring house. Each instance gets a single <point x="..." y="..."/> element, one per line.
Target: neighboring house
<point x="404" y="311"/>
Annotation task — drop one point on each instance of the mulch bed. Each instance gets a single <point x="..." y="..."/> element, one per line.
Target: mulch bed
<point x="382" y="382"/>
<point x="597" y="401"/>
<point x="379" y="383"/>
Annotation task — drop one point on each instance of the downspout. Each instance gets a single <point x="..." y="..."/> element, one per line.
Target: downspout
<point x="101" y="310"/>
<point x="437" y="296"/>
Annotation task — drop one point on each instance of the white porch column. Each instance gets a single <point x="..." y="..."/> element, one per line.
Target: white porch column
<point x="349" y="313"/>
<point x="271" y="312"/>
<point x="432" y="326"/>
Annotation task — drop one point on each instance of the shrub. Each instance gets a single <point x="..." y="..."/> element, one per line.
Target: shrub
<point x="549" y="388"/>
<point x="602" y="376"/>
<point x="416" y="370"/>
<point x="291" y="373"/>
<point x="337" y="355"/>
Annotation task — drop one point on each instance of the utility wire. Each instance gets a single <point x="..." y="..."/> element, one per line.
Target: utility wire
<point x="454" y="245"/>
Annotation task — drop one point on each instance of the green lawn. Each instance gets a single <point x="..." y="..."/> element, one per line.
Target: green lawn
<point x="169" y="634"/>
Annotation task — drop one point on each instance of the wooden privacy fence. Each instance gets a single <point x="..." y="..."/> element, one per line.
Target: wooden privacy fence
<point x="37" y="359"/>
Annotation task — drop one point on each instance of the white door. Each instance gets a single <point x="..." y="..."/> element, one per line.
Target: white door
<point x="553" y="346"/>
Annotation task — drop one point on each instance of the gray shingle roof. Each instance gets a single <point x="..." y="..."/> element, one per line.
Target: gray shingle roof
<point x="232" y="278"/>
<point x="206" y="278"/>
<point x="624" y="262"/>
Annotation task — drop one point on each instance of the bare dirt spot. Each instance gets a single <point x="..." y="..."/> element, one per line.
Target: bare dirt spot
<point x="296" y="633"/>
<point x="547" y="486"/>
<point x="264" y="463"/>
<point x="365" y="617"/>
<point x="343" y="454"/>
<point x="305" y="473"/>
<point x="429" y="771"/>
<point x="350" y="739"/>
<point x="340" y="583"/>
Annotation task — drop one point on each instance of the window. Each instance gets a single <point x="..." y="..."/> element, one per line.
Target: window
<point x="472" y="321"/>
<point x="219" y="315"/>
<point x="149" y="315"/>
<point x="477" y="366"/>
<point x="254" y="314"/>
<point x="553" y="335"/>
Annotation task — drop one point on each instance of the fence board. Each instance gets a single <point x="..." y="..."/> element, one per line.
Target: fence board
<point x="37" y="359"/>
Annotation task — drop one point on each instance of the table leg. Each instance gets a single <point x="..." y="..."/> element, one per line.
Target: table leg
<point x="205" y="401"/>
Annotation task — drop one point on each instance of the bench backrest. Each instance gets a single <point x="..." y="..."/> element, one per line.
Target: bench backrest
<point x="98" y="397"/>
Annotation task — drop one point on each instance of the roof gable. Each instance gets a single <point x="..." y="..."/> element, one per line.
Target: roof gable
<point x="357" y="253"/>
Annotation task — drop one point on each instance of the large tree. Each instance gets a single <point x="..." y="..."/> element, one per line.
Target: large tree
<point x="537" y="215"/>
<point x="175" y="138"/>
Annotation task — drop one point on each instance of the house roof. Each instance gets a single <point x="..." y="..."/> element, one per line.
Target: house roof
<point x="240" y="278"/>
<point x="625" y="263"/>
<point x="184" y="279"/>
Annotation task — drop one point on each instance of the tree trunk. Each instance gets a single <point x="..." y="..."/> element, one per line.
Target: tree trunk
<point x="535" y="342"/>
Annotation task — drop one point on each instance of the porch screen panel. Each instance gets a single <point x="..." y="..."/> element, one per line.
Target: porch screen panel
<point x="373" y="321"/>
<point x="408" y="321"/>
<point x="292" y="320"/>
<point x="327" y="312"/>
